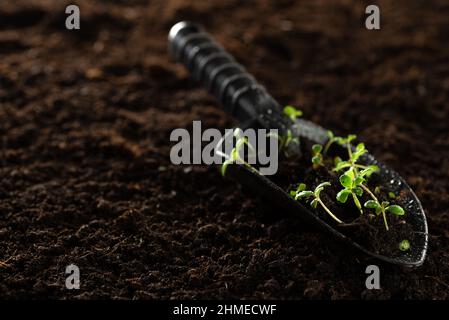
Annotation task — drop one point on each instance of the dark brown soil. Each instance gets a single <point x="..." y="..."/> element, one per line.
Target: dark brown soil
<point x="85" y="118"/>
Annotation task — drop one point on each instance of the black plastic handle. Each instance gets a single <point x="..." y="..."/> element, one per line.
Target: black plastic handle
<point x="227" y="80"/>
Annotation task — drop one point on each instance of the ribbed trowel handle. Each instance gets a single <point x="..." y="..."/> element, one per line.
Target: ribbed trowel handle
<point x="217" y="70"/>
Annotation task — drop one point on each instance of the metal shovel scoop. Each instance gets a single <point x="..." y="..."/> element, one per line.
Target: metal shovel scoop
<point x="249" y="102"/>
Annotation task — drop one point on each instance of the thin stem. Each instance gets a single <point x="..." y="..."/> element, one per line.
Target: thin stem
<point x="385" y="218"/>
<point x="357" y="202"/>
<point x="348" y="146"/>
<point x="354" y="165"/>
<point x="375" y="199"/>
<point x="328" y="211"/>
<point x="370" y="193"/>
<point x="327" y="146"/>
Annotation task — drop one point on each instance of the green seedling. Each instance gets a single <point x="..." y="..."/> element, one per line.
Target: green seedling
<point x="317" y="157"/>
<point x="302" y="193"/>
<point x="353" y="180"/>
<point x="234" y="156"/>
<point x="292" y="112"/>
<point x="339" y="140"/>
<point x="285" y="140"/>
<point x="351" y="187"/>
<point x="288" y="139"/>
<point x="383" y="208"/>
<point x="377" y="190"/>
<point x="353" y="157"/>
<point x="404" y="245"/>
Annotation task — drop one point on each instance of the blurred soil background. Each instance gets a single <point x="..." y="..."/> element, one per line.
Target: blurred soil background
<point x="85" y="174"/>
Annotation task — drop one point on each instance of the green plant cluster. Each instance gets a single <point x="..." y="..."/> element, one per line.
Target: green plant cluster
<point x="353" y="176"/>
<point x="353" y="179"/>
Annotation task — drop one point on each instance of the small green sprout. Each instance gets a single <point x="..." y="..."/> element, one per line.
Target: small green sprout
<point x="302" y="193"/>
<point x="404" y="245"/>
<point x="377" y="190"/>
<point x="337" y="160"/>
<point x="339" y="140"/>
<point x="391" y="195"/>
<point x="383" y="208"/>
<point x="353" y="157"/>
<point x="351" y="187"/>
<point x="330" y="141"/>
<point x="301" y="187"/>
<point x="317" y="157"/>
<point x="290" y="139"/>
<point x="235" y="152"/>
<point x="285" y="140"/>
<point x="292" y="112"/>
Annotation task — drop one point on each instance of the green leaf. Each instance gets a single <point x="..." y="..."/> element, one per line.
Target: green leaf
<point x="366" y="172"/>
<point x="377" y="190"/>
<point x="358" y="181"/>
<point x="316" y="148"/>
<point x="314" y="203"/>
<point x="341" y="165"/>
<point x="322" y="185"/>
<point x="358" y="153"/>
<point x="371" y="204"/>
<point x="350" y="172"/>
<point x="358" y="191"/>
<point x="320" y="188"/>
<point x="346" y="180"/>
<point x="337" y="160"/>
<point x="299" y="188"/>
<point x="351" y="137"/>
<point x="234" y="155"/>
<point x="391" y="195"/>
<point x="360" y="147"/>
<point x="342" y="196"/>
<point x="225" y="165"/>
<point x="316" y="160"/>
<point x="330" y="134"/>
<point x="304" y="194"/>
<point x="404" y="245"/>
<point x="341" y="141"/>
<point x="395" y="209"/>
<point x="357" y="202"/>
<point x="289" y="110"/>
<point x="292" y="112"/>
